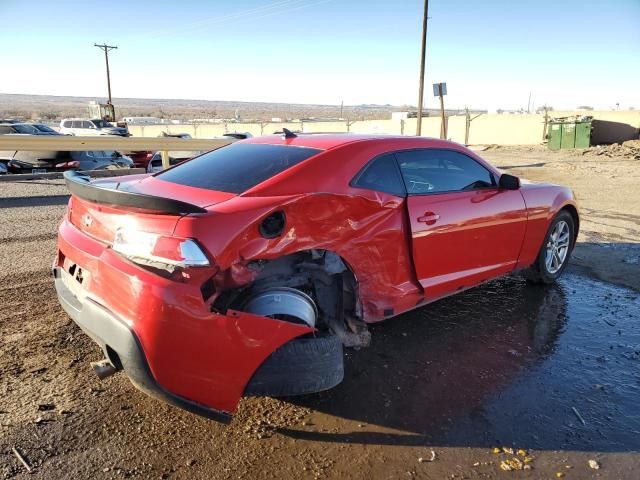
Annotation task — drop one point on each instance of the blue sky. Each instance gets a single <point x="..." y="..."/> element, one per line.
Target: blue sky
<point x="490" y="53"/>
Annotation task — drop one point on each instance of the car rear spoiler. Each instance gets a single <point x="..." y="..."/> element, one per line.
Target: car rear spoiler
<point x="80" y="185"/>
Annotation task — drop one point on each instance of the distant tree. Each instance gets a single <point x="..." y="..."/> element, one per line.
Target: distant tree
<point x="585" y="107"/>
<point x="499" y="110"/>
<point x="543" y="107"/>
<point x="632" y="108"/>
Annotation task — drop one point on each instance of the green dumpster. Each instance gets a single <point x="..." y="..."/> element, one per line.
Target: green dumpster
<point x="583" y="134"/>
<point x="554" y="135"/>
<point x="568" y="135"/>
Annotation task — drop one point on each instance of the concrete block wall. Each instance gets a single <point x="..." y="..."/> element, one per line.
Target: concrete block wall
<point x="503" y="129"/>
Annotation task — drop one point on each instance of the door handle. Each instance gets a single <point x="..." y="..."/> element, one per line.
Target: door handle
<point x="429" y="218"/>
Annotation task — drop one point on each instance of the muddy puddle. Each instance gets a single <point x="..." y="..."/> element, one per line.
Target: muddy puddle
<point x="504" y="364"/>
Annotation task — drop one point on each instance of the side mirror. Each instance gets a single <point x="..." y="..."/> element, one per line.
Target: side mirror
<point x="509" y="182"/>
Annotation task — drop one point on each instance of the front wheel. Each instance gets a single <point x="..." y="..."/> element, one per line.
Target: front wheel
<point x="555" y="251"/>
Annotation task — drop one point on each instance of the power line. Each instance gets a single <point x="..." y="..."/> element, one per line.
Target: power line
<point x="107" y="48"/>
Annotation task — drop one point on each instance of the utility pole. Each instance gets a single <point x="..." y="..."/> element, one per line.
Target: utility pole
<point x="341" y="108"/>
<point x="468" y="121"/>
<point x="529" y="104"/>
<point x="443" y="120"/>
<point x="106" y="48"/>
<point x="423" y="54"/>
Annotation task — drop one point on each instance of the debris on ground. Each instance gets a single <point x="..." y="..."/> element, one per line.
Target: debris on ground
<point x="520" y="462"/>
<point x="593" y="464"/>
<point x="630" y="148"/>
<point x="22" y="459"/>
<point x="511" y="464"/>
<point x="575" y="410"/>
<point x="423" y="460"/>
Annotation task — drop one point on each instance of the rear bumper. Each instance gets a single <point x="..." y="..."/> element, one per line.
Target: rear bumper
<point x="169" y="341"/>
<point x="114" y="336"/>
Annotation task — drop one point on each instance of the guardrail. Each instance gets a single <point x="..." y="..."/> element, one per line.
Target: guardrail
<point x="109" y="142"/>
<point x="55" y="175"/>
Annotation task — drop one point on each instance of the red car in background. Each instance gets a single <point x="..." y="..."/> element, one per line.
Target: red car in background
<point x="245" y="270"/>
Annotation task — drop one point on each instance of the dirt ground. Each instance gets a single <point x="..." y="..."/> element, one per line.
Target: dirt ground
<point x="552" y="371"/>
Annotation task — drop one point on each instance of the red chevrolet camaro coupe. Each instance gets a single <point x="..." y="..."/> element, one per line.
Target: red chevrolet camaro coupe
<point x="245" y="270"/>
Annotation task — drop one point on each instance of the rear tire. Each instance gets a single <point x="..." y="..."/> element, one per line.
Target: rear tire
<point x="546" y="269"/>
<point x="299" y="367"/>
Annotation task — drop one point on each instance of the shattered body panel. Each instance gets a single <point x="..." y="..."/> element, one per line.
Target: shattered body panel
<point x="367" y="232"/>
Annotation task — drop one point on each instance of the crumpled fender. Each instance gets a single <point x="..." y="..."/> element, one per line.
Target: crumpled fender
<point x="366" y="229"/>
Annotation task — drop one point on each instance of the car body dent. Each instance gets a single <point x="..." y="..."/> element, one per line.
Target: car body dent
<point x="368" y="232"/>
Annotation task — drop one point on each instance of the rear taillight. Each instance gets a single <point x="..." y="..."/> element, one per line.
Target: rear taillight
<point x="153" y="249"/>
<point x="73" y="164"/>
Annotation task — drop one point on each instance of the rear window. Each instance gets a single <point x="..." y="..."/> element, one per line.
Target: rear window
<point x="237" y="167"/>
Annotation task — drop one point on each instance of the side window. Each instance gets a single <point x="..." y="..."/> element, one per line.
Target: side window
<point x="67" y="124"/>
<point x="6" y="129"/>
<point x="437" y="171"/>
<point x="380" y="174"/>
<point x="86" y="124"/>
<point x="76" y="124"/>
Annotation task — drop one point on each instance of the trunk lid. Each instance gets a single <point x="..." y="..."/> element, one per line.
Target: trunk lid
<point x="140" y="202"/>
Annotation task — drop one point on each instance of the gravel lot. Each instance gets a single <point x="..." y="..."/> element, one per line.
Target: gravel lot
<point x="553" y="371"/>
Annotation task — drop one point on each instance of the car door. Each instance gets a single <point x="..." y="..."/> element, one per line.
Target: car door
<point x="76" y="127"/>
<point x="88" y="128"/>
<point x="464" y="229"/>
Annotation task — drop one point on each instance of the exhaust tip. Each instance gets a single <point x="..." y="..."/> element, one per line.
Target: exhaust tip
<point x="103" y="368"/>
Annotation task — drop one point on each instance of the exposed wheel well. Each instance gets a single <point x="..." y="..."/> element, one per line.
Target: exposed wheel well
<point x="323" y="275"/>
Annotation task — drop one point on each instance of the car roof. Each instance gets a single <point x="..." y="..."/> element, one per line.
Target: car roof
<point x="326" y="141"/>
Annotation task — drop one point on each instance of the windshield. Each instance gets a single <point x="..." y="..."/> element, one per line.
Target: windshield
<point x="44" y="128"/>
<point x="24" y="128"/>
<point x="237" y="167"/>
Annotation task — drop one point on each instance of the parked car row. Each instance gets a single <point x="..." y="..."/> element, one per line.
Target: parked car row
<point x="15" y="128"/>
<point x="68" y="126"/>
<point x="60" y="161"/>
<point x="57" y="161"/>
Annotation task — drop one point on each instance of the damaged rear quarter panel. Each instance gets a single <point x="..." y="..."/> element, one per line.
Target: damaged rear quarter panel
<point x="367" y="229"/>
